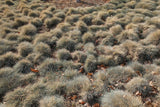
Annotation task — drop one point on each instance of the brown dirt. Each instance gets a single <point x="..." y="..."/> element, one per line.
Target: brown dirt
<point x="72" y="3"/>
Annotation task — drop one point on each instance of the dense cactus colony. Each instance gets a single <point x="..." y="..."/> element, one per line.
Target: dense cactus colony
<point x="99" y="56"/>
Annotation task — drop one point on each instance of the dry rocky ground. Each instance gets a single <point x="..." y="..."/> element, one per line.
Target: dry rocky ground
<point x="72" y="3"/>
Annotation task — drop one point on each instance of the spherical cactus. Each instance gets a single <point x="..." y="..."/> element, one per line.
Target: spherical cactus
<point x="23" y="66"/>
<point x="25" y="48"/>
<point x="90" y="64"/>
<point x="63" y="54"/>
<point x="120" y="98"/>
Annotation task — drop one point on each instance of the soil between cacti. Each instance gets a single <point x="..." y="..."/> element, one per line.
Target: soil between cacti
<point x="72" y="3"/>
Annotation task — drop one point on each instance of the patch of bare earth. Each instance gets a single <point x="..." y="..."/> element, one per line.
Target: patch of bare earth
<point x="72" y="3"/>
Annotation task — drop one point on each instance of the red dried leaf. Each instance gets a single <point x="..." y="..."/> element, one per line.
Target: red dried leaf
<point x="122" y="64"/>
<point x="74" y="97"/>
<point x="34" y="70"/>
<point x="96" y="105"/>
<point x="138" y="72"/>
<point x="110" y="86"/>
<point x="138" y="93"/>
<point x="82" y="102"/>
<point x="90" y="74"/>
<point x="128" y="79"/>
<point x="102" y="67"/>
<point x="81" y="70"/>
